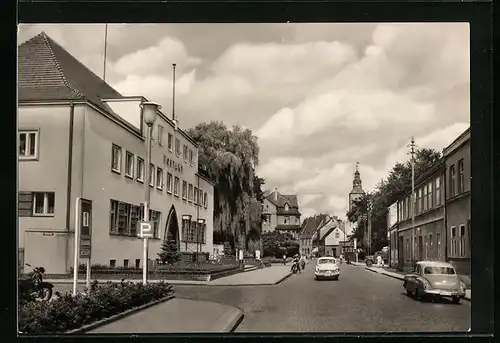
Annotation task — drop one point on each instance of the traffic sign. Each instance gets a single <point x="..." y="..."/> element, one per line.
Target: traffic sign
<point x="145" y="230"/>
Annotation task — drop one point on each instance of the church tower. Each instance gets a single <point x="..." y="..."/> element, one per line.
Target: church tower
<point x="357" y="190"/>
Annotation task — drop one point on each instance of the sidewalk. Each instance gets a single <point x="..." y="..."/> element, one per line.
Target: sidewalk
<point x="265" y="276"/>
<point x="400" y="276"/>
<point x="177" y="316"/>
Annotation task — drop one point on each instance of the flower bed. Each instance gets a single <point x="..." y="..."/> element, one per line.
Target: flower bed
<point x="104" y="300"/>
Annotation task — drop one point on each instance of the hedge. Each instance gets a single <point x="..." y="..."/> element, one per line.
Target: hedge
<point x="104" y="300"/>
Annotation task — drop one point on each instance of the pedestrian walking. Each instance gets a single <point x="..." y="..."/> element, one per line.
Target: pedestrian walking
<point x="379" y="261"/>
<point x="257" y="258"/>
<point x="284" y="259"/>
<point x="302" y="262"/>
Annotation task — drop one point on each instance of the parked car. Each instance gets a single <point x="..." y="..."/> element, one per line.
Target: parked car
<point x="434" y="279"/>
<point x="327" y="268"/>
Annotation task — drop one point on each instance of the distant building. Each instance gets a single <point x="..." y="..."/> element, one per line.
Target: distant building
<point x="79" y="137"/>
<point x="281" y="212"/>
<point x="392" y="234"/>
<point x="457" y="189"/>
<point x="308" y="229"/>
<point x="329" y="237"/>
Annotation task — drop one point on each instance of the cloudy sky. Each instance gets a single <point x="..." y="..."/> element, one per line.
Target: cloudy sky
<point x="319" y="96"/>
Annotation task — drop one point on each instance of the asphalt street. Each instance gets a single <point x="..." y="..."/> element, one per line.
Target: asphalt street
<point x="361" y="301"/>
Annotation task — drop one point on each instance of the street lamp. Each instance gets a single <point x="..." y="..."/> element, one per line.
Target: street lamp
<point x="149" y="112"/>
<point x="370" y="205"/>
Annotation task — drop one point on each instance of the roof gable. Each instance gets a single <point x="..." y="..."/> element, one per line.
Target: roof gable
<point x="46" y="71"/>
<point x="311" y="224"/>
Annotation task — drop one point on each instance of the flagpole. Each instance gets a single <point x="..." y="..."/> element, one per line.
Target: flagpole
<point x="105" y="50"/>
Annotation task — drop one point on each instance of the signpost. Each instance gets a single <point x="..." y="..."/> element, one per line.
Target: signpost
<point x="83" y="240"/>
<point x="145" y="232"/>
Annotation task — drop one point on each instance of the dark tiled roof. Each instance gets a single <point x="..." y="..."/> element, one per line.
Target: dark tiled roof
<point x="311" y="224"/>
<point x="46" y="71"/>
<point x="291" y="200"/>
<point x="288" y="227"/>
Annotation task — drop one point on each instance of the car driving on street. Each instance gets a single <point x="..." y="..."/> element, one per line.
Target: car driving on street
<point x="434" y="279"/>
<point x="327" y="268"/>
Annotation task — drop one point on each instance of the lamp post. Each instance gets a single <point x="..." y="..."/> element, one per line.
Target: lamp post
<point x="413" y="200"/>
<point x="149" y="112"/>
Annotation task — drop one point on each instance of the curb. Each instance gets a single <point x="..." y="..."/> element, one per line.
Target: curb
<point x="399" y="278"/>
<point x="172" y="282"/>
<point x="118" y="316"/>
<point x="233" y="324"/>
<point x="283" y="278"/>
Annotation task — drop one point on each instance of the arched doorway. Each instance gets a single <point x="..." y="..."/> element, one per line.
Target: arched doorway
<point x="172" y="227"/>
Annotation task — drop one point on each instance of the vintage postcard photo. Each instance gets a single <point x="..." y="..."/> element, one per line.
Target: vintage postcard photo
<point x="286" y="178"/>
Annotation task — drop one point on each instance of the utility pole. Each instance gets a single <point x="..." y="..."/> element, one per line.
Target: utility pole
<point x="412" y="152"/>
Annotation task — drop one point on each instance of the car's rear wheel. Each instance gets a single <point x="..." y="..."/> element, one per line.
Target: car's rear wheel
<point x="417" y="294"/>
<point x="408" y="292"/>
<point x="337" y="278"/>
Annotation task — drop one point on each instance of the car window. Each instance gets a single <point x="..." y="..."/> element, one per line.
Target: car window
<point x="439" y="271"/>
<point x="327" y="260"/>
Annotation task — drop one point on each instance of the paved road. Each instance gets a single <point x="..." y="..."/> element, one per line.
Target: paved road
<point x="361" y="301"/>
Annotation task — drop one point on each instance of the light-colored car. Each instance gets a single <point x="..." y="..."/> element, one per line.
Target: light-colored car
<point x="327" y="268"/>
<point x="434" y="279"/>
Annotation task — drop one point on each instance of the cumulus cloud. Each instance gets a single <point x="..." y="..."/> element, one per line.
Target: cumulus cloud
<point x="318" y="96"/>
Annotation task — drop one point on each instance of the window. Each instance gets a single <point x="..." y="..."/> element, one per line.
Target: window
<point x="116" y="158"/>
<point x="176" y="186"/>
<point x="177" y="147"/>
<point x="429" y="196"/>
<point x="195" y="194"/>
<point x="186" y="224"/>
<point x="137" y="263"/>
<point x="124" y="218"/>
<point x="169" y="183"/>
<point x="154" y="217"/>
<point x="426" y="246"/>
<point x="140" y="169"/>
<point x="190" y="193"/>
<point x="461" y="176"/>
<point x="201" y="232"/>
<point x="160" y="135"/>
<point x="191" y="157"/>
<point x="159" y="178"/>
<point x="439" y="271"/>
<point x="431" y="252"/>
<point x="287" y="208"/>
<point x="152" y="175"/>
<point x="287" y="220"/>
<point x="438" y="191"/>
<point x="125" y="263"/>
<point x="129" y="164"/>
<point x="461" y="245"/>
<point x="438" y="239"/>
<point x="205" y="200"/>
<point x="424" y="200"/>
<point x="43" y="203"/>
<point x="452" y="181"/>
<point x="337" y="235"/>
<point x="170" y="141"/>
<point x="454" y="242"/>
<point x="200" y="198"/>
<point x="185" y="153"/>
<point x="112" y="263"/>
<point x="28" y="145"/>
<point x="184" y="190"/>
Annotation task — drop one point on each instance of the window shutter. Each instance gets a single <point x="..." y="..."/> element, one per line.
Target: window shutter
<point x="25" y="204"/>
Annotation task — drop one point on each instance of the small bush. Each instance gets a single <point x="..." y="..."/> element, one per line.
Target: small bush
<point x="104" y="300"/>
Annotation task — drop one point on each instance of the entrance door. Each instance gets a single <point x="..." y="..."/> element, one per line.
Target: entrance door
<point x="172" y="228"/>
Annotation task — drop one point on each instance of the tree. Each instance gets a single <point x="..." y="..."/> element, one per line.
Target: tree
<point x="276" y="244"/>
<point x="386" y="193"/>
<point x="169" y="253"/>
<point x="230" y="157"/>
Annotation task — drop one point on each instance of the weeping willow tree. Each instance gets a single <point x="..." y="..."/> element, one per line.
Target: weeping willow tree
<point x="229" y="157"/>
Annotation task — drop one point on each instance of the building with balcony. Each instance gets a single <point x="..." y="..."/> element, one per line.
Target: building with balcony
<point x="80" y="138"/>
<point x="457" y="189"/>
<point x="281" y="212"/>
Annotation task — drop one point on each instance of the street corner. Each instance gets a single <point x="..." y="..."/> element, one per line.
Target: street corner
<point x="285" y="277"/>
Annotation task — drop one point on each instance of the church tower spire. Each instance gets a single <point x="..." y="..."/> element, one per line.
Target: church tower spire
<point x="357" y="189"/>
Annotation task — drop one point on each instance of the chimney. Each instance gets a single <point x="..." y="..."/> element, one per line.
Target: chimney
<point x="276" y="194"/>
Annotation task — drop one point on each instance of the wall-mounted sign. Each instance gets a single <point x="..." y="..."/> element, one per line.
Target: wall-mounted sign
<point x="172" y="164"/>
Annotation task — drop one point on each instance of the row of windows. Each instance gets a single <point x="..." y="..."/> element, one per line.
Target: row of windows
<point x="429" y="248"/>
<point x="456" y="185"/>
<point x="426" y="198"/>
<point x="126" y="264"/>
<point x="172" y="144"/>
<point x="124" y="218"/>
<point x="156" y="174"/>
